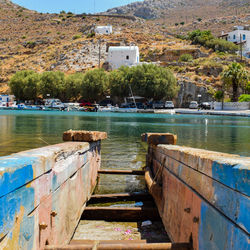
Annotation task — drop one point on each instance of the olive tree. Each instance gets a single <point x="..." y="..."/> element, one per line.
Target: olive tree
<point x="73" y="86"/>
<point x="24" y="85"/>
<point x="94" y="85"/>
<point x="53" y="84"/>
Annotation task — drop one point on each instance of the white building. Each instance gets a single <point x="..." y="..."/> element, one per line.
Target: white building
<point x="123" y="56"/>
<point x="103" y="30"/>
<point x="4" y="99"/>
<point x="240" y="35"/>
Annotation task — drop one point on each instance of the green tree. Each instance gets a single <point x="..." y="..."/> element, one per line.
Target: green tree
<point x="147" y="80"/>
<point x="53" y="84"/>
<point x="247" y="87"/>
<point x="218" y="95"/>
<point x="94" y="86"/>
<point x="24" y="85"/>
<point x="119" y="82"/>
<point x="235" y="76"/>
<point x="73" y="86"/>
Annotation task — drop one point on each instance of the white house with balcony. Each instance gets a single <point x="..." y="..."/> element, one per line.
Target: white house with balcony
<point x="6" y="100"/>
<point x="240" y="34"/>
<point x="123" y="56"/>
<point x="103" y="30"/>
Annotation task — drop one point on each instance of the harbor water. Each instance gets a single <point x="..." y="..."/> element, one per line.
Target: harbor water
<point x="23" y="130"/>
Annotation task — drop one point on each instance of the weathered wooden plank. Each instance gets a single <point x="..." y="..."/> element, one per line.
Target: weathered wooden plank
<point x="124" y="246"/>
<point x="79" y="242"/>
<point x="46" y="209"/>
<point x="104" y="198"/>
<point x="232" y="204"/>
<point x="84" y="136"/>
<point x="187" y="215"/>
<point x="19" y="169"/>
<point x="120" y="213"/>
<point x="121" y="172"/>
<point x="159" y="138"/>
<point x="231" y="170"/>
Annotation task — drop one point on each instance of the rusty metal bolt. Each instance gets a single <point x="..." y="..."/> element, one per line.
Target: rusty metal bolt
<point x="187" y="210"/>
<point x="53" y="213"/>
<point x="196" y="219"/>
<point x="43" y="226"/>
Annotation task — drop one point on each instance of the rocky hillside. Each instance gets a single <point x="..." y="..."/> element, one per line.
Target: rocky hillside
<point x="65" y="42"/>
<point x="152" y="9"/>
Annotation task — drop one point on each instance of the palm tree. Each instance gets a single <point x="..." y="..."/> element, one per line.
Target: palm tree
<point x="235" y="76"/>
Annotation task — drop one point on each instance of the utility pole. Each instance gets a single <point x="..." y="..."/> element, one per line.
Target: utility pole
<point x="99" y="53"/>
<point x="241" y="47"/>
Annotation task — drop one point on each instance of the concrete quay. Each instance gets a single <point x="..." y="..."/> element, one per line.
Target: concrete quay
<point x="244" y="113"/>
<point x="183" y="111"/>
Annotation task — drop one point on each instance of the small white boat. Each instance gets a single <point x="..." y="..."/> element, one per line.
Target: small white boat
<point x="109" y="108"/>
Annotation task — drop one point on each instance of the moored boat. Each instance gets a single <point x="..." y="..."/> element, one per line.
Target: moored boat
<point x="202" y="196"/>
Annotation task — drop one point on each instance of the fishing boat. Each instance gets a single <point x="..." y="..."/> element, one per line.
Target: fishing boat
<point x="202" y="197"/>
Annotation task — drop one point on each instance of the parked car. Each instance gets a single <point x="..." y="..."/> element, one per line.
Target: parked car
<point x="169" y="105"/>
<point x="54" y="103"/>
<point x="158" y="105"/>
<point x="193" y="105"/>
<point x="205" y="105"/>
<point x="85" y="103"/>
<point x="106" y="102"/>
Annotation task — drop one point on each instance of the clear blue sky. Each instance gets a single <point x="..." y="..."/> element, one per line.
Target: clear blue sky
<point x="76" y="6"/>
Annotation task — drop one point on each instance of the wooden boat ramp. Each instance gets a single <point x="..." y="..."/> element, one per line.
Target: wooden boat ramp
<point x="195" y="199"/>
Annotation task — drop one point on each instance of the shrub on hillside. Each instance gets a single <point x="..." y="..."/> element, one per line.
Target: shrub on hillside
<point x="76" y="37"/>
<point x="205" y="38"/>
<point x="90" y="35"/>
<point x="221" y="45"/>
<point x="186" y="58"/>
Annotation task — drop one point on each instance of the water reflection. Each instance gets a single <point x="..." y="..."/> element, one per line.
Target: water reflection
<point x="21" y="130"/>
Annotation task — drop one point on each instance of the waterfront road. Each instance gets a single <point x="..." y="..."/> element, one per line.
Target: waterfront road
<point x="244" y="113"/>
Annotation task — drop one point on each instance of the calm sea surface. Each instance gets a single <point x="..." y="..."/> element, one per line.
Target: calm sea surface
<point x="23" y="130"/>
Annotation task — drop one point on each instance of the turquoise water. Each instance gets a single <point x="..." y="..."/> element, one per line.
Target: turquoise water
<point x="23" y="130"/>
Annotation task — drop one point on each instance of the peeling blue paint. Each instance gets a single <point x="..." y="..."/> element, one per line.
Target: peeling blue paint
<point x="216" y="232"/>
<point x="11" y="204"/>
<point x="18" y="171"/>
<point x="233" y="204"/>
<point x="234" y="176"/>
<point x="26" y="237"/>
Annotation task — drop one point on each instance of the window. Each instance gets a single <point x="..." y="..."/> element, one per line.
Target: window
<point x="107" y="31"/>
<point x="234" y="36"/>
<point x="244" y="37"/>
<point x="127" y="57"/>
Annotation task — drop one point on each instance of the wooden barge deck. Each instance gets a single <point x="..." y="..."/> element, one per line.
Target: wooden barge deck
<point x="201" y="197"/>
